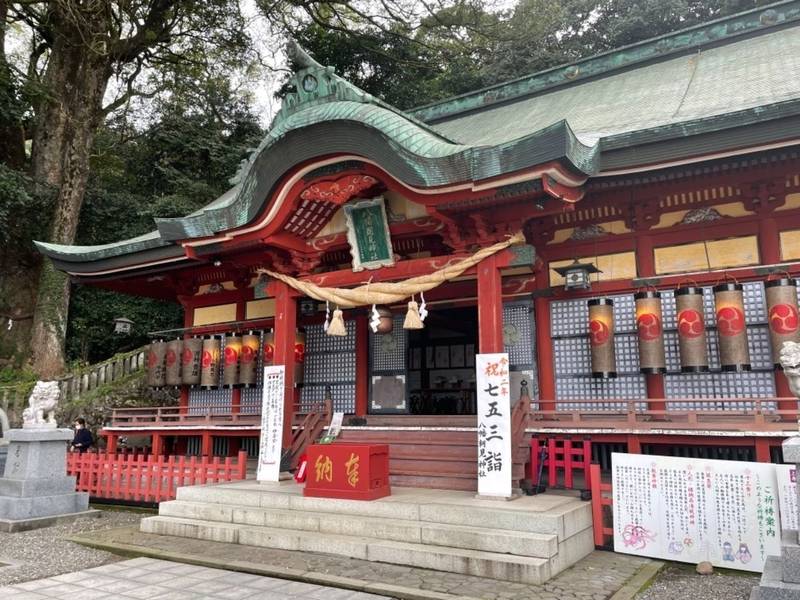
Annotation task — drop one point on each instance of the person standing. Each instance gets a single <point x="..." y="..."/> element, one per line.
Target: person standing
<point x="83" y="437"/>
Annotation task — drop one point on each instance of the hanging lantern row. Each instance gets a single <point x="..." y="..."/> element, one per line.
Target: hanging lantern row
<point x="734" y="352"/>
<point x="196" y="361"/>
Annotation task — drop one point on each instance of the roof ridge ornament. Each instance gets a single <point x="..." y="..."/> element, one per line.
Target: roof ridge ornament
<point x="299" y="58"/>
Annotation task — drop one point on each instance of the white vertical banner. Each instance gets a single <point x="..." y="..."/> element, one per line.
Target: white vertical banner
<point x="269" y="451"/>
<point x="495" y="460"/>
<point x="691" y="510"/>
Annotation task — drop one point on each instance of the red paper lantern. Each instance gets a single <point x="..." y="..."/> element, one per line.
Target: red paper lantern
<point x="734" y="354"/>
<point x="601" y="338"/>
<point x="691" y="329"/>
<point x="649" y="323"/>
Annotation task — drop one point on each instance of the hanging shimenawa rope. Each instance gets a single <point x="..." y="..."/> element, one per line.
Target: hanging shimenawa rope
<point x="393" y="292"/>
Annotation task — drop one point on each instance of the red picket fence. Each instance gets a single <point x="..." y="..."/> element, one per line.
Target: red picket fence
<point x="140" y="478"/>
<point x="602" y="497"/>
<point x="562" y="458"/>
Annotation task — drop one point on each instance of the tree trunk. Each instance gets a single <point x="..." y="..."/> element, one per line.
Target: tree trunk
<point x="66" y="121"/>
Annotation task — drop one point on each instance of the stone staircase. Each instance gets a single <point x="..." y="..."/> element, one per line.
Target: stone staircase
<point x="528" y="540"/>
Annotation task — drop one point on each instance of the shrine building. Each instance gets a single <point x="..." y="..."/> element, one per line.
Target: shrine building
<point x="625" y="227"/>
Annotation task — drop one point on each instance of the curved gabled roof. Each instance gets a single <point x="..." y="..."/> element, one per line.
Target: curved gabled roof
<point x="730" y="84"/>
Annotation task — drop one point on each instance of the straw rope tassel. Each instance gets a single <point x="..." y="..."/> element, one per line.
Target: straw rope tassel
<point x="393" y="292"/>
<point x="412" y="316"/>
<point x="336" y="326"/>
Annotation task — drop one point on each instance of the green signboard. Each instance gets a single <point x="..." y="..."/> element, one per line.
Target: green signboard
<point x="368" y="234"/>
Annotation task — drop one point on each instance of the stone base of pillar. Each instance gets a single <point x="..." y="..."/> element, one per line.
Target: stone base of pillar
<point x="35" y="490"/>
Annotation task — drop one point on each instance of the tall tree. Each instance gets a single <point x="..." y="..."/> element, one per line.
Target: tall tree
<point x="84" y="45"/>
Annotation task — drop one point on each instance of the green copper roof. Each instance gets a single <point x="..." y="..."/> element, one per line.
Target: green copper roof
<point x="731" y="84"/>
<point x="684" y="41"/>
<point x="753" y="72"/>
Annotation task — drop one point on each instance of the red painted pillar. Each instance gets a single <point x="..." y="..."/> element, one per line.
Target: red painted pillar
<point x="544" y="345"/>
<point x="362" y="365"/>
<point x="206" y="448"/>
<point x="490" y="307"/>
<point x="111" y="443"/>
<point x="157" y="447"/>
<point x="762" y="450"/>
<point x="285" y="329"/>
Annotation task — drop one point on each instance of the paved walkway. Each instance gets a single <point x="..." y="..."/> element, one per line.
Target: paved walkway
<point x="146" y="578"/>
<point x="596" y="577"/>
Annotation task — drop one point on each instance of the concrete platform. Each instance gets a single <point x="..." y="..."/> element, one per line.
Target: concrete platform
<point x="14" y="526"/>
<point x="528" y="540"/>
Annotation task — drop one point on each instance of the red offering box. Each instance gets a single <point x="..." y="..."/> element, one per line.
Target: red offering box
<point x="349" y="471"/>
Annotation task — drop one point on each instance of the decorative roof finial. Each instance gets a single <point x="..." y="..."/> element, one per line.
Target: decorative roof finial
<point x="299" y="58"/>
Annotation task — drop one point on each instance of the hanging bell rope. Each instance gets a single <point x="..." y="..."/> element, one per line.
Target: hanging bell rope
<point x="336" y="326"/>
<point x="393" y="292"/>
<point x="412" y="316"/>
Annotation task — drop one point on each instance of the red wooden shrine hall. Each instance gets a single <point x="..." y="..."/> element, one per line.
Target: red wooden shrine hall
<point x="643" y="312"/>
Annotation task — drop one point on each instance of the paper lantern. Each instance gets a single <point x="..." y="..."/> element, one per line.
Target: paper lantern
<point x="299" y="355"/>
<point x="601" y="338"/>
<point x="156" y="364"/>
<point x="209" y="363"/>
<point x="649" y="323"/>
<point x="173" y="362"/>
<point x="734" y="354"/>
<point x="268" y="351"/>
<point x="190" y="360"/>
<point x="231" y="354"/>
<point x="691" y="329"/>
<point x="782" y="314"/>
<point x="248" y="360"/>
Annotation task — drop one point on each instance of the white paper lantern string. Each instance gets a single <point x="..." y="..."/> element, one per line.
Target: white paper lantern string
<point x="423" y="311"/>
<point x="375" y="319"/>
<point x="327" y="316"/>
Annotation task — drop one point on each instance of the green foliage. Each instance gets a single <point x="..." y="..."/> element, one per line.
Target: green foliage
<point x="179" y="163"/>
<point x="23" y="210"/>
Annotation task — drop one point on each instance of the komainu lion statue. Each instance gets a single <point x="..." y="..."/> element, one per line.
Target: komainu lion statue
<point x="43" y="400"/>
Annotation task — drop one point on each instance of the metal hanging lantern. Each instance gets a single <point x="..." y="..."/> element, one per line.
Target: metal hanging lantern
<point x="190" y="361"/>
<point x="649" y="323"/>
<point x="248" y="360"/>
<point x="173" y="362"/>
<point x="691" y="325"/>
<point x="157" y="364"/>
<point x="122" y="325"/>
<point x="601" y="338"/>
<point x="576" y="275"/>
<point x="231" y="354"/>
<point x="782" y="315"/>
<point x="209" y="363"/>
<point x="734" y="354"/>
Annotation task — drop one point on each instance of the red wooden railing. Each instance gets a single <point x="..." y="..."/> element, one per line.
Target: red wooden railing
<point x="149" y="478"/>
<point x="714" y="414"/>
<point x="562" y="458"/>
<point x="602" y="497"/>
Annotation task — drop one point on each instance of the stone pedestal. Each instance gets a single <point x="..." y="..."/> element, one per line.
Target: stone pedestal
<point x="781" y="577"/>
<point x="35" y="490"/>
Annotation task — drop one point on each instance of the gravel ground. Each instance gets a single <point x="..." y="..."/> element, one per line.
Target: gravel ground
<point x="45" y="552"/>
<point x="681" y="581"/>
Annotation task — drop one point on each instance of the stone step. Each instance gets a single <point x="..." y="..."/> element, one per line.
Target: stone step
<point x="457" y="536"/>
<point x="563" y="517"/>
<point x="519" y="569"/>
